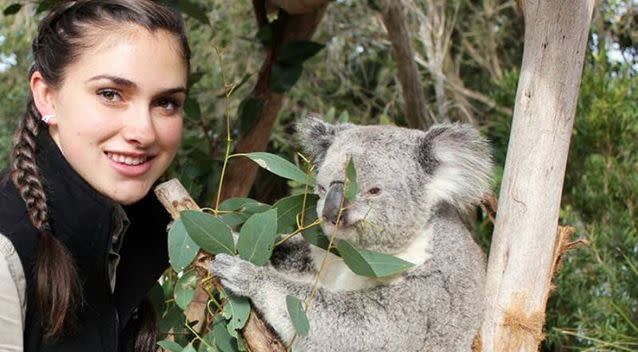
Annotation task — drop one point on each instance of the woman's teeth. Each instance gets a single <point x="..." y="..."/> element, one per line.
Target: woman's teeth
<point x="126" y="159"/>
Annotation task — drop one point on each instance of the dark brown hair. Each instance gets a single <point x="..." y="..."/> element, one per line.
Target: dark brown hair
<point x="62" y="36"/>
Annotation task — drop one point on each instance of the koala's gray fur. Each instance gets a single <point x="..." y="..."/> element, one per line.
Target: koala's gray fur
<point x="422" y="180"/>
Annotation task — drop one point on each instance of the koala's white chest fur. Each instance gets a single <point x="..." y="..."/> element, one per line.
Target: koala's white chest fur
<point x="338" y="277"/>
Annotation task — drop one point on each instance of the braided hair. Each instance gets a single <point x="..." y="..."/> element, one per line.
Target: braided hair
<point x="62" y="36"/>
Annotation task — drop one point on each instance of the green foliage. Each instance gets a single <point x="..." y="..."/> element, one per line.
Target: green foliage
<point x="297" y="315"/>
<point x="351" y="188"/>
<point x="181" y="248"/>
<point x="210" y="233"/>
<point x="257" y="237"/>
<point x="368" y="263"/>
<point x="280" y="167"/>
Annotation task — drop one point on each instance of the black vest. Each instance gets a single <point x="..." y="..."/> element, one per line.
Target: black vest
<point x="83" y="220"/>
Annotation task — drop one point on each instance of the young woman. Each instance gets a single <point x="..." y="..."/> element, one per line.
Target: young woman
<point x="82" y="238"/>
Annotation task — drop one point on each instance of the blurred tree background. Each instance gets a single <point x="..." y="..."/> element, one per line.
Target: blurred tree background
<point x="467" y="55"/>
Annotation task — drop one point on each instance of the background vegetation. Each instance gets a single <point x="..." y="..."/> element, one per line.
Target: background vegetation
<point x="595" y="303"/>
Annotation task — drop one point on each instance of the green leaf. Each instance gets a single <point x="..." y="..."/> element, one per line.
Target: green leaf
<point x="189" y="348"/>
<point x="223" y="340"/>
<point x="194" y="77"/>
<point x="368" y="263"/>
<point x="185" y="289"/>
<point x="289" y="207"/>
<point x="156" y="295"/>
<point x="194" y="10"/>
<point x="210" y="233"/>
<point x="45" y="5"/>
<point x="283" y="76"/>
<point x="248" y="113"/>
<point x="242" y="205"/>
<point x="170" y="346"/>
<point x="173" y="319"/>
<point x="280" y="167"/>
<point x="12" y="9"/>
<point x="264" y="35"/>
<point x="242" y="209"/>
<point x="350" y="192"/>
<point x="344" y="117"/>
<point x="257" y="237"/>
<point x="296" y="52"/>
<point x="297" y="315"/>
<point x="181" y="248"/>
<point x="192" y="108"/>
<point x="237" y="310"/>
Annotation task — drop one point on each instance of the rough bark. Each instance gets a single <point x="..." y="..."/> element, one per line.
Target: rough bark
<point x="259" y="338"/>
<point x="524" y="245"/>
<point x="416" y="109"/>
<point x="242" y="172"/>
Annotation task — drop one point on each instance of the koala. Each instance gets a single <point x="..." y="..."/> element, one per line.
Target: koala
<point x="413" y="187"/>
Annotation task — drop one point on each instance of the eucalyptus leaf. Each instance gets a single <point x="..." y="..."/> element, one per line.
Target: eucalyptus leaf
<point x="156" y="295"/>
<point x="280" y="167"/>
<point x="350" y="192"/>
<point x="170" y="346"/>
<point x="264" y="35"/>
<point x="368" y="263"/>
<point x="194" y="10"/>
<point x="194" y="77"/>
<point x="181" y="248"/>
<point x="289" y="207"/>
<point x="223" y="340"/>
<point x="236" y="310"/>
<point x="189" y="348"/>
<point x="298" y="51"/>
<point x="240" y="210"/>
<point x="248" y="113"/>
<point x="257" y="237"/>
<point x="284" y="76"/>
<point x="297" y="315"/>
<point x="12" y="9"/>
<point x="185" y="289"/>
<point x="192" y="108"/>
<point x="210" y="233"/>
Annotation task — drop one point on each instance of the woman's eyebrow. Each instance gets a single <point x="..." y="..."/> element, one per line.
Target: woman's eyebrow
<point x="117" y="80"/>
<point x="128" y="83"/>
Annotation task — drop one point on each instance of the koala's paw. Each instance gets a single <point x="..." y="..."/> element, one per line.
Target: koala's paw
<point x="235" y="274"/>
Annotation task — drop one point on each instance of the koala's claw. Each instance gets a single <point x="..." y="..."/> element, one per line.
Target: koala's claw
<point x="235" y="274"/>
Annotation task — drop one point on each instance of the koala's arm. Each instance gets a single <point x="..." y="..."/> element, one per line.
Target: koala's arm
<point x="293" y="256"/>
<point x="418" y="309"/>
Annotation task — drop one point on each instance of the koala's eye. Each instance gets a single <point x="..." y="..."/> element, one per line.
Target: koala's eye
<point x="374" y="191"/>
<point x="321" y="190"/>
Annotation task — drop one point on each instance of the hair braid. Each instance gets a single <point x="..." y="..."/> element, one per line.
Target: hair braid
<point x="57" y="283"/>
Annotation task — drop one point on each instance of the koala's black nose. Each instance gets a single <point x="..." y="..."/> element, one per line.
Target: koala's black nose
<point x="332" y="204"/>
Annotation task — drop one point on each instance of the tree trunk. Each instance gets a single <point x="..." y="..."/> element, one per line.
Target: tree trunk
<point x="241" y="172"/>
<point x="416" y="109"/>
<point x="525" y="236"/>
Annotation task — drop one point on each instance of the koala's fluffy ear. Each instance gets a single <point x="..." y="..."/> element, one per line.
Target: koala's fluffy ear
<point x="316" y="136"/>
<point x="459" y="161"/>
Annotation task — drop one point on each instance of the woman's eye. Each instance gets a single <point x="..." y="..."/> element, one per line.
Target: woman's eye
<point x="374" y="191"/>
<point x="110" y="95"/>
<point x="169" y="105"/>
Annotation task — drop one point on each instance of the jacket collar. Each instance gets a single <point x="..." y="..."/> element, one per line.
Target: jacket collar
<point x="80" y="217"/>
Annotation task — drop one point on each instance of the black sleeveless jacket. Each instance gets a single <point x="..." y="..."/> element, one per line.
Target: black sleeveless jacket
<point x="83" y="220"/>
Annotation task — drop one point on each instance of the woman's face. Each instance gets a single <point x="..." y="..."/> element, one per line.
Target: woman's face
<point x="118" y="111"/>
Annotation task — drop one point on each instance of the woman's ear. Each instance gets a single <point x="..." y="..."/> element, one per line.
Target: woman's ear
<point x="43" y="97"/>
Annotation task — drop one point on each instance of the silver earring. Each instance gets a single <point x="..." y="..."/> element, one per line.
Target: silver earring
<point x="47" y="117"/>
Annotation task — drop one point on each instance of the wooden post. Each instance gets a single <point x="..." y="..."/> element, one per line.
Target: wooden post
<point x="523" y="247"/>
